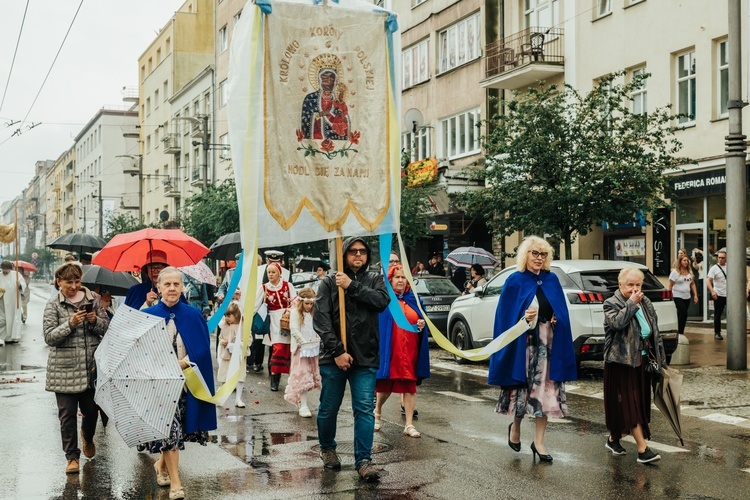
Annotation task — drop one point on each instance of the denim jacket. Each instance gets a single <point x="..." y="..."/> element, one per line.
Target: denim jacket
<point x="622" y="332"/>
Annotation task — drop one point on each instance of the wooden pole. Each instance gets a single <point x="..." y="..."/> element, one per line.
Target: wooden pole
<point x="342" y="298"/>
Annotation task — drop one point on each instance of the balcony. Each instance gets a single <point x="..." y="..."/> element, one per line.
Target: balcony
<point x="196" y="131"/>
<point x="196" y="175"/>
<point x="170" y="188"/>
<point x="131" y="131"/>
<point x="129" y="93"/>
<point x="524" y="58"/>
<point x="131" y="166"/>
<point x="171" y="143"/>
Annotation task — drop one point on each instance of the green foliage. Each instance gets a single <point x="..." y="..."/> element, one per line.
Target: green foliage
<point x="123" y="223"/>
<point x="559" y="163"/>
<point x="212" y="213"/>
<point x="415" y="207"/>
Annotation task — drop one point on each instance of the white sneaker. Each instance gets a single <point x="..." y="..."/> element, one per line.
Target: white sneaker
<point x="305" y="412"/>
<point x="239" y="404"/>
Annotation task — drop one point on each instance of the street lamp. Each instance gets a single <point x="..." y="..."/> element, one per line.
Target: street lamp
<point x="203" y="123"/>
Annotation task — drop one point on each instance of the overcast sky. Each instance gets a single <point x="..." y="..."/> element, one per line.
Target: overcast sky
<point x="99" y="57"/>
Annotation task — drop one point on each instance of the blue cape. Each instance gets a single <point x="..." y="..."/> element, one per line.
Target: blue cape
<point x="200" y="415"/>
<point x="508" y="366"/>
<point x="385" y="327"/>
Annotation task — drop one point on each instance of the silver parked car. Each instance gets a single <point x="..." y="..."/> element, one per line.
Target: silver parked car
<point x="587" y="284"/>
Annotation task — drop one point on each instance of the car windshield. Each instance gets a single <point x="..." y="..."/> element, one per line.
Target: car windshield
<point x="435" y="286"/>
<point x="606" y="281"/>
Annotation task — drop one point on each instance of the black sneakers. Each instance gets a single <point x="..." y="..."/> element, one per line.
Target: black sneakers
<point x="648" y="456"/>
<point x="367" y="472"/>
<point x="718" y="336"/>
<point x="615" y="447"/>
<point x="330" y="459"/>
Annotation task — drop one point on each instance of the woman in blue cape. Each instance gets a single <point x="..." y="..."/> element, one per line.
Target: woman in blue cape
<point x="188" y="332"/>
<point x="530" y="371"/>
<point x="404" y="355"/>
<point x="144" y="293"/>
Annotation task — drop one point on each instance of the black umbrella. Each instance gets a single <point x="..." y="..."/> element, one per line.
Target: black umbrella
<point x="78" y="242"/>
<point x="226" y="247"/>
<point x="116" y="283"/>
<point x="310" y="264"/>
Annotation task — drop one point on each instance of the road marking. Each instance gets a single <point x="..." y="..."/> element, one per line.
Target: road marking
<point x="460" y="396"/>
<point x="724" y="419"/>
<point x="658" y="446"/>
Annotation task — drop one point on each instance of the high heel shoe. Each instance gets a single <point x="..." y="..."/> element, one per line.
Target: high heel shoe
<point x="513" y="446"/>
<point x="542" y="458"/>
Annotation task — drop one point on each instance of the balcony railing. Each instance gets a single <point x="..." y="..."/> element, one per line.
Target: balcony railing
<point x="171" y="143"/>
<point x="533" y="45"/>
<point x="196" y="174"/>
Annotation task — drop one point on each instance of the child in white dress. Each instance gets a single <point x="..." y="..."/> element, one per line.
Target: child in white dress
<point x="228" y="339"/>
<point x="304" y="374"/>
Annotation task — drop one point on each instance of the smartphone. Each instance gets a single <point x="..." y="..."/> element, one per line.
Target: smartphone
<point x="87" y="307"/>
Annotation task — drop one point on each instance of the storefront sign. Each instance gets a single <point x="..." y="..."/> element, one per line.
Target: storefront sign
<point x="631" y="247"/>
<point x="701" y="183"/>
<point x="438" y="227"/>
<point x="661" y="243"/>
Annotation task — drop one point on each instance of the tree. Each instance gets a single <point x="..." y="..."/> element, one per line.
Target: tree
<point x="123" y="223"/>
<point x="212" y="213"/>
<point x="559" y="163"/>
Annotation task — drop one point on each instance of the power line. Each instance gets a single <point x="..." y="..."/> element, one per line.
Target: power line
<point x="54" y="61"/>
<point x="18" y="42"/>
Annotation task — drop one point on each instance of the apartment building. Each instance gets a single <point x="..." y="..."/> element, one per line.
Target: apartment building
<point x="182" y="50"/>
<point x="99" y="180"/>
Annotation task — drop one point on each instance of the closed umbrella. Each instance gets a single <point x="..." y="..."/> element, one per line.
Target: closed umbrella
<point x="78" y="243"/>
<point x="226" y="247"/>
<point x="468" y="256"/>
<point x="139" y="380"/>
<point x="667" y="398"/>
<point x="129" y="251"/>
<point x="116" y="283"/>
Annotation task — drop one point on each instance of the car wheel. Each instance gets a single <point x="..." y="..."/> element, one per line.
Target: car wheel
<point x="461" y="339"/>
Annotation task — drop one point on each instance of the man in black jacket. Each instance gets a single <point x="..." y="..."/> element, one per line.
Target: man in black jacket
<point x="366" y="297"/>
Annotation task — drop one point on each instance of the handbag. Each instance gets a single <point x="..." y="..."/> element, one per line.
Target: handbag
<point x="92" y="373"/>
<point x="261" y="326"/>
<point x="284" y="321"/>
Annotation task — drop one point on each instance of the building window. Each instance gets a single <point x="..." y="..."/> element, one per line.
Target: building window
<point x="223" y="94"/>
<point x="686" y="87"/>
<point x="414" y="3"/>
<point x="460" y="134"/>
<point x="638" y="95"/>
<point x="158" y="56"/>
<point x="156" y="98"/>
<point x="540" y="13"/>
<point x="223" y="39"/>
<point x="169" y="46"/>
<point x="459" y="43"/>
<point x="416" y="64"/>
<point x="143" y="72"/>
<point x="604" y="7"/>
<point x="165" y="91"/>
<point x="417" y="143"/>
<point x="723" y="72"/>
<point x="207" y="103"/>
<point x="236" y="18"/>
<point x="148" y="106"/>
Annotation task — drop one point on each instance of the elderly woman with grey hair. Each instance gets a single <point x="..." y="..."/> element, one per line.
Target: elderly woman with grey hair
<point x="630" y="331"/>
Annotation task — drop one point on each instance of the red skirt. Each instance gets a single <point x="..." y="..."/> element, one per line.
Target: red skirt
<point x="627" y="399"/>
<point x="281" y="356"/>
<point x="397" y="385"/>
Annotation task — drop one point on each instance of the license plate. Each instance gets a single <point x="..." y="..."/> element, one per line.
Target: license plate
<point x="442" y="308"/>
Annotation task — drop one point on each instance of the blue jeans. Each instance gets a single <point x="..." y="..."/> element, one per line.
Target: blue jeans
<point x="362" y="387"/>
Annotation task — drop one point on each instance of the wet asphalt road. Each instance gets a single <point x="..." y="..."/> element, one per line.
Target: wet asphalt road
<point x="267" y="451"/>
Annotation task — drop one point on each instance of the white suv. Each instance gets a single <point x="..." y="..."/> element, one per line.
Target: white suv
<point x="586" y="283"/>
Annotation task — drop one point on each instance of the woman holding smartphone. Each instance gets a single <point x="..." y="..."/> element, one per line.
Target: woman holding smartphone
<point x="74" y="323"/>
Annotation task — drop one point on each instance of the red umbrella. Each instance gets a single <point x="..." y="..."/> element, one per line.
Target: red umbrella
<point x="128" y="252"/>
<point x="26" y="266"/>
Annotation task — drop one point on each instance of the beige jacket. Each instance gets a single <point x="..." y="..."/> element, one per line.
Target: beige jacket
<point x="71" y="352"/>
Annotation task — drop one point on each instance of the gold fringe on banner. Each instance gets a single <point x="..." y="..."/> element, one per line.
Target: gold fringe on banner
<point x="7" y="233"/>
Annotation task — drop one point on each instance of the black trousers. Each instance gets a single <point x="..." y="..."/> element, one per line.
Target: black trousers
<point x="67" y="412"/>
<point x="682" y="313"/>
<point x="719" y="304"/>
<point x="257" y="353"/>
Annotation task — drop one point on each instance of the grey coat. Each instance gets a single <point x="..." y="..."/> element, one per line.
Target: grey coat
<point x="622" y="332"/>
<point x="71" y="351"/>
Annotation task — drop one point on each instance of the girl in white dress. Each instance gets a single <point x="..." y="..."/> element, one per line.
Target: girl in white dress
<point x="228" y="341"/>
<point x="304" y="374"/>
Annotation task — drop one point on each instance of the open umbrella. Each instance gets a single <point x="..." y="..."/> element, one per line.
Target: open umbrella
<point x="26" y="266"/>
<point x="129" y="251"/>
<point x="310" y="264"/>
<point x="667" y="398"/>
<point x="115" y="282"/>
<point x="139" y="380"/>
<point x="468" y="256"/>
<point x="78" y="242"/>
<point x="201" y="272"/>
<point x="226" y="247"/>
